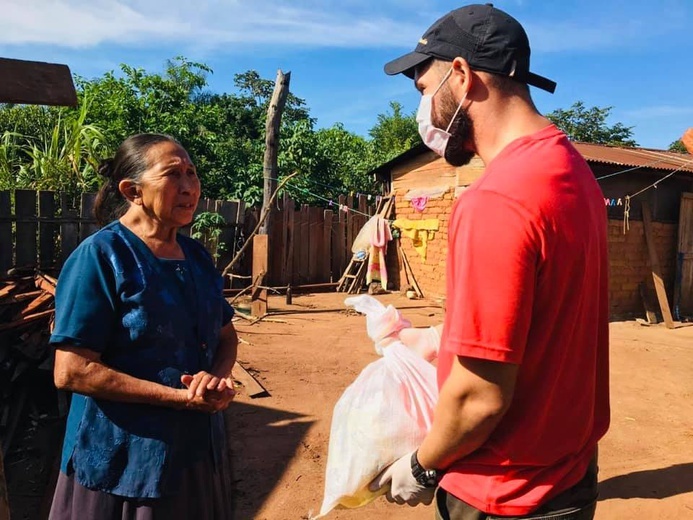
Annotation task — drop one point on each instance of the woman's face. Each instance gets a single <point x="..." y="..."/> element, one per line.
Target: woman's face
<point x="169" y="188"/>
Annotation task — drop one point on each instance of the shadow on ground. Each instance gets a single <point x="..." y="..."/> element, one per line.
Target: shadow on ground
<point x="254" y="431"/>
<point x="652" y="483"/>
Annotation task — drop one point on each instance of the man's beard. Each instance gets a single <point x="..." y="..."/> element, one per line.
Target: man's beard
<point x="461" y="131"/>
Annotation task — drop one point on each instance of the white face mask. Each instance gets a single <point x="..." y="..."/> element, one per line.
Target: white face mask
<point x="435" y="138"/>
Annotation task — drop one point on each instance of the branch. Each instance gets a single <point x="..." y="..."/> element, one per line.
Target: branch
<point x="266" y="211"/>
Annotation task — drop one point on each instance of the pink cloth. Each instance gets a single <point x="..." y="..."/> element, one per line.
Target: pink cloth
<point x="381" y="233"/>
<point x="419" y="203"/>
<point x="377" y="270"/>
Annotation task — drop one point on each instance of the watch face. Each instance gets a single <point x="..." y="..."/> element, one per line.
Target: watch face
<point x="428" y="478"/>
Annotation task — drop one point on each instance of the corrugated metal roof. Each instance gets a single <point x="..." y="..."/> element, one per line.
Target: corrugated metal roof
<point x="635" y="157"/>
<point x="597" y="153"/>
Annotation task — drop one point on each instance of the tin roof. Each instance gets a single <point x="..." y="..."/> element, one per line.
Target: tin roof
<point x="595" y="153"/>
<point x="635" y="157"/>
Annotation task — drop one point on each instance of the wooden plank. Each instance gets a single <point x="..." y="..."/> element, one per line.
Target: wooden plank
<point x="6" y="242"/>
<point x="315" y="232"/>
<point x="260" y="267"/>
<point x="344" y="253"/>
<point x="47" y="230"/>
<point x="683" y="289"/>
<point x="252" y="386"/>
<point x="87" y="225"/>
<point x="69" y="231"/>
<point x="350" y="224"/>
<point x="289" y="251"/>
<point x="25" y="208"/>
<point x="276" y="250"/>
<point x="43" y="300"/>
<point x="411" y="276"/>
<point x="296" y="246"/>
<point x="283" y="215"/>
<point x="654" y="265"/>
<point x="36" y="83"/>
<point x="25" y="320"/>
<point x="326" y="272"/>
<point x="337" y="247"/>
<point x="304" y="245"/>
<point x="228" y="209"/>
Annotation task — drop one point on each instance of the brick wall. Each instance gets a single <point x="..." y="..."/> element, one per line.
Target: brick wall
<point x="628" y="257"/>
<point x="429" y="273"/>
<point x="629" y="264"/>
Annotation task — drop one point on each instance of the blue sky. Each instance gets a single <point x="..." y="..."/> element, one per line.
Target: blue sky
<point x="633" y="55"/>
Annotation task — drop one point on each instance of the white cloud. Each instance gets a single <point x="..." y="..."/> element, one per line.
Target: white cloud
<point x="215" y="24"/>
<point x="211" y="24"/>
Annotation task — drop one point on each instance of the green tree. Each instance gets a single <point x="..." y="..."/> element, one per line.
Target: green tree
<point x="677" y="146"/>
<point x="393" y="134"/>
<point x="589" y="125"/>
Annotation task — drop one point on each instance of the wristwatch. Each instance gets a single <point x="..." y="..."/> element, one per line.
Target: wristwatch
<point x="426" y="477"/>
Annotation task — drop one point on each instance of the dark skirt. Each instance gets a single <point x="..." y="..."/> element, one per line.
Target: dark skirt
<point x="204" y="494"/>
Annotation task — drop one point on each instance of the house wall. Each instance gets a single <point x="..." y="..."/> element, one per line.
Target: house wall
<point x="429" y="272"/>
<point x="628" y="255"/>
<point x="629" y="264"/>
<point x="428" y="171"/>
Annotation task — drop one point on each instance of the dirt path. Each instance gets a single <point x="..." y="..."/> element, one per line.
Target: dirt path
<point x="279" y="443"/>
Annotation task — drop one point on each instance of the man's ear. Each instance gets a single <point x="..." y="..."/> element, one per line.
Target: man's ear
<point x="462" y="76"/>
<point x="131" y="191"/>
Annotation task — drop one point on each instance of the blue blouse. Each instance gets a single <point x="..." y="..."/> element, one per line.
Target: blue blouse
<point x="154" y="319"/>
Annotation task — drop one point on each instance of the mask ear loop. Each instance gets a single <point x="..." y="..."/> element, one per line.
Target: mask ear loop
<point x="459" y="107"/>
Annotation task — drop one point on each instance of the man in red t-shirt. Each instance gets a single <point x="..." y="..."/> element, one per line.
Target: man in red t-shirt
<point x="523" y="362"/>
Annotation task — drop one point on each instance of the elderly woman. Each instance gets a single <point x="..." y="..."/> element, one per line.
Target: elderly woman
<point x="144" y="340"/>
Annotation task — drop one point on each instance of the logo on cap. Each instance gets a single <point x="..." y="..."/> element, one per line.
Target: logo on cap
<point x="423" y="41"/>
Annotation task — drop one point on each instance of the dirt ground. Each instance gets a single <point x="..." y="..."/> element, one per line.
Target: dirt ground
<point x="314" y="350"/>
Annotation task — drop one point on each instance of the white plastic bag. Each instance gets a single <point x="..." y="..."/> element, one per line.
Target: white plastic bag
<point x="383" y="415"/>
<point x="381" y="321"/>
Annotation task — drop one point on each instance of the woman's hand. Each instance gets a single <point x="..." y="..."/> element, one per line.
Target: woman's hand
<point x="207" y="392"/>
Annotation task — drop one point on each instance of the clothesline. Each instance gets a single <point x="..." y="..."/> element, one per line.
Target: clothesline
<point x="351" y="193"/>
<point x="626" y="209"/>
<point x="341" y="207"/>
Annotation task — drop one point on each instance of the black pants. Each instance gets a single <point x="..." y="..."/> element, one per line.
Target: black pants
<point x="576" y="503"/>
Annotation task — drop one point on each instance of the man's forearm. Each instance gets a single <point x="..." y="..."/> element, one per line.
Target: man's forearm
<point x="461" y="425"/>
<point x="472" y="401"/>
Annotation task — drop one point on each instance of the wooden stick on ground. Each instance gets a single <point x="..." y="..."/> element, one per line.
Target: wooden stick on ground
<point x="407" y="265"/>
<point x="654" y="265"/>
<point x="251" y="385"/>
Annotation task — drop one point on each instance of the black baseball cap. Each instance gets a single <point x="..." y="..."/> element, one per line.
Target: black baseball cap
<point x="488" y="38"/>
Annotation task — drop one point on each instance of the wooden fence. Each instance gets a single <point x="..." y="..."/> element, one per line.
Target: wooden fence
<point x="41" y="228"/>
<point x="313" y="245"/>
<point x="306" y="244"/>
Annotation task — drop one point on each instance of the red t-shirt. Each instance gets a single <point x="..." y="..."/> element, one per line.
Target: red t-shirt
<point x="527" y="283"/>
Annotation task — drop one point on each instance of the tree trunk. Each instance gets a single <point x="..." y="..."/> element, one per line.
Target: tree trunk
<point x="274" y="117"/>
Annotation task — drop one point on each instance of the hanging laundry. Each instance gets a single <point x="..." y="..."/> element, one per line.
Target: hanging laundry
<point x="419" y="203"/>
<point x="420" y="232"/>
<point x="380" y="236"/>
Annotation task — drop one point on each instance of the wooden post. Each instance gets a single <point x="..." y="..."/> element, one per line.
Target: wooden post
<point x="6" y="255"/>
<point x="47" y="230"/>
<point x="274" y="118"/>
<point x="654" y="264"/>
<point x="258" y="305"/>
<point x="27" y="227"/>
